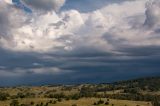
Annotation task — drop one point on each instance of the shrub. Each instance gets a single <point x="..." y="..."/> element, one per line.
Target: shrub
<point x="107" y="103"/>
<point x="3" y="96"/>
<point x="22" y="105"/>
<point x="14" y="103"/>
<point x="100" y="102"/>
<point x="20" y="95"/>
<point x="75" y="97"/>
<point x="46" y="104"/>
<point x="50" y="101"/>
<point x="67" y="98"/>
<point x="41" y="104"/>
<point x="74" y="105"/>
<point x="59" y="100"/>
<point x="54" y="102"/>
<point x="94" y="103"/>
<point x="32" y="103"/>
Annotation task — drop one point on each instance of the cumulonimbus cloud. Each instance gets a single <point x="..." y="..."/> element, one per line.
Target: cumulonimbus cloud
<point x="101" y="30"/>
<point x="117" y="38"/>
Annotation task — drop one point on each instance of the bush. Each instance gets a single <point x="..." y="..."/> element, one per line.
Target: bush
<point x="14" y="103"/>
<point x="20" y="95"/>
<point x="3" y="96"/>
<point x="75" y="97"/>
<point x="50" y="101"/>
<point x="46" y="104"/>
<point x="67" y="98"/>
<point x="107" y="103"/>
<point x="61" y="95"/>
<point x="155" y="102"/>
<point x="54" y="102"/>
<point x="59" y="100"/>
<point x="32" y="103"/>
<point x="22" y="105"/>
<point x="100" y="102"/>
<point x="94" y="103"/>
<point x="74" y="105"/>
<point x="41" y="104"/>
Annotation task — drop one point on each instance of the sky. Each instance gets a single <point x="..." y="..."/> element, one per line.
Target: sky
<point x="78" y="41"/>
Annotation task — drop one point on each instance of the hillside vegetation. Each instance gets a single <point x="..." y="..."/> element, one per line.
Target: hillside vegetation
<point x="138" y="92"/>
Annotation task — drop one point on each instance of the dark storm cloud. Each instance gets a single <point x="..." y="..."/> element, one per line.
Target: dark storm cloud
<point x="83" y="69"/>
<point x="141" y="50"/>
<point x="103" y="46"/>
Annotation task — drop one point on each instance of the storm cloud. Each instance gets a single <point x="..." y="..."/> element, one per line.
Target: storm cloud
<point x="114" y="41"/>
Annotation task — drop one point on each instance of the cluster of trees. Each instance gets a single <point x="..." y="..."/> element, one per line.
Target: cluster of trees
<point x="147" y="84"/>
<point x="16" y="103"/>
<point x="130" y="90"/>
<point x="3" y="96"/>
<point x="101" y="102"/>
<point x="23" y="95"/>
<point x="134" y="97"/>
<point x="156" y="102"/>
<point x="86" y="91"/>
<point x="58" y="95"/>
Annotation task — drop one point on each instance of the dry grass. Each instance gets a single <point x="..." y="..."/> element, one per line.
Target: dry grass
<point x="80" y="102"/>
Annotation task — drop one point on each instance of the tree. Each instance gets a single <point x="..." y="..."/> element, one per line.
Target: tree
<point x="32" y="103"/>
<point x="94" y="103"/>
<point x="107" y="103"/>
<point x="59" y="100"/>
<point x="155" y="102"/>
<point x="75" y="97"/>
<point x="20" y="95"/>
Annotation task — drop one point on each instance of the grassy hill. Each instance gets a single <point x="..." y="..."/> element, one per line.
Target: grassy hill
<point x="149" y="84"/>
<point x="138" y="92"/>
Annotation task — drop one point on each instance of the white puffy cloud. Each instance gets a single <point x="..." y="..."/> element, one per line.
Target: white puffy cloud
<point x="130" y="33"/>
<point x="8" y="1"/>
<point x="104" y="29"/>
<point x="153" y="14"/>
<point x="9" y="18"/>
<point x="46" y="42"/>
